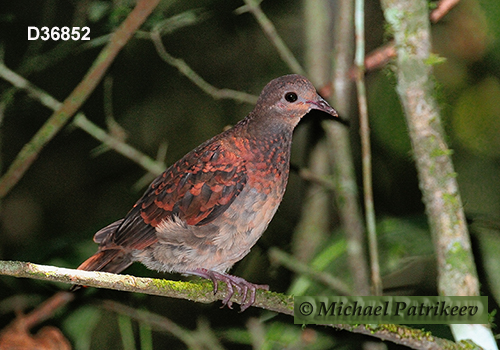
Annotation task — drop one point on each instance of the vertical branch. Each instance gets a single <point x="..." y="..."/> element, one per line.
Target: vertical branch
<point x="457" y="272"/>
<point x="338" y="137"/>
<point x="312" y="230"/>
<point x="456" y="269"/>
<point x="314" y="224"/>
<point x="73" y="102"/>
<point x="317" y="20"/>
<point x="359" y="18"/>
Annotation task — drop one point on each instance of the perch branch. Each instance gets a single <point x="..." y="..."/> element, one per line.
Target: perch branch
<point x="202" y="292"/>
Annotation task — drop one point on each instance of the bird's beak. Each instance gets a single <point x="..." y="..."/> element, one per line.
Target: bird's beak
<point x="321" y="105"/>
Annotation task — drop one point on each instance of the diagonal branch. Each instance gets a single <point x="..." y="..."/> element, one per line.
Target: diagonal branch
<point x="188" y="72"/>
<point x="154" y="167"/>
<point x="74" y="101"/>
<point x="253" y="6"/>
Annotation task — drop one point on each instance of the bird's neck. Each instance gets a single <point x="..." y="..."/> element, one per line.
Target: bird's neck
<point x="262" y="126"/>
<point x="264" y="142"/>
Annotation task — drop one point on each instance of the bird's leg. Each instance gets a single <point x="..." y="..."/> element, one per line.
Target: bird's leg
<point x="232" y="282"/>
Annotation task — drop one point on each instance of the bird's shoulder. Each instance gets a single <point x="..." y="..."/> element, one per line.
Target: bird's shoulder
<point x="198" y="187"/>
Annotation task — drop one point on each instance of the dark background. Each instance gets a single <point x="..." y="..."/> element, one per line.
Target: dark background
<point x="76" y="187"/>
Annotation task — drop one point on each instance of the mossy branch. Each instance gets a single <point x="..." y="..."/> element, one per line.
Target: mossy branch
<point x="202" y="292"/>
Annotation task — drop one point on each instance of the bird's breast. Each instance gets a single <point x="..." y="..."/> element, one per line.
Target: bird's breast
<point x="244" y="222"/>
<point x="267" y="161"/>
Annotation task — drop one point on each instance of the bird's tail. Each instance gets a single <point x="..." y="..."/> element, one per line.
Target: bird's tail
<point x="108" y="260"/>
<point x="110" y="257"/>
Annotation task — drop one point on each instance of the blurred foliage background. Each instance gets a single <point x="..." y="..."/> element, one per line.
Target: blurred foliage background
<point x="77" y="186"/>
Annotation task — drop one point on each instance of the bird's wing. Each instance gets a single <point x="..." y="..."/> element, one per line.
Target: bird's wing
<point x="197" y="189"/>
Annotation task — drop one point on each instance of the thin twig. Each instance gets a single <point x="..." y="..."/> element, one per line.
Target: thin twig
<point x="188" y="72"/>
<point x="73" y="102"/>
<point x="47" y="309"/>
<point x="443" y="7"/>
<point x="359" y="19"/>
<point x="114" y="129"/>
<point x="267" y="26"/>
<point x="152" y="166"/>
<point x="298" y="267"/>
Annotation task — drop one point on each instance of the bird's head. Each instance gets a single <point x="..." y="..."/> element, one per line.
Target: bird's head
<point x="289" y="98"/>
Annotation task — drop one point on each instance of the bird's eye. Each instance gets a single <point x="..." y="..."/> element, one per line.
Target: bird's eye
<point x="291" y="97"/>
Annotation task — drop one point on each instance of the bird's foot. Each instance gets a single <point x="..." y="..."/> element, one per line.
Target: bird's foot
<point x="232" y="282"/>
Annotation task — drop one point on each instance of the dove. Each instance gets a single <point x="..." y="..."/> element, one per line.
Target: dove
<point x="207" y="210"/>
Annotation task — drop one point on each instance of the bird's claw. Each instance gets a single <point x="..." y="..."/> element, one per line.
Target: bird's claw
<point x="241" y="285"/>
